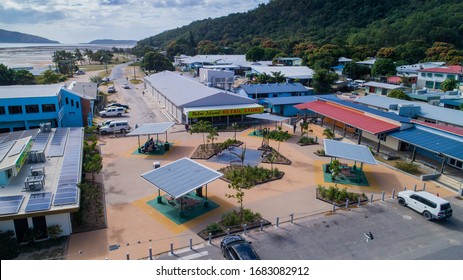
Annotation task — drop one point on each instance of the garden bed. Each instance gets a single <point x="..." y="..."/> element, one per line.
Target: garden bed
<point x="279" y="158"/>
<point x="206" y="151"/>
<point x="260" y="175"/>
<point x="307" y="141"/>
<point x="338" y="197"/>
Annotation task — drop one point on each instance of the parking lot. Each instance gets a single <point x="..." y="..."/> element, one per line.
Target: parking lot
<point x="399" y="234"/>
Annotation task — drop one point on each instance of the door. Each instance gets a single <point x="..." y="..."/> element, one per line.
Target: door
<point x="21" y="227"/>
<point x="40" y="227"/>
<point x="416" y="203"/>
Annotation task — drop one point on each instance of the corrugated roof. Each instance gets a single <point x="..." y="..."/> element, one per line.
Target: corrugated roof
<point x="151" y="128"/>
<point x="348" y="116"/>
<point x="349" y="151"/>
<point x="183" y="91"/>
<point x="181" y="177"/>
<point x="383" y="85"/>
<point x="23" y="91"/>
<point x="434" y="142"/>
<point x="452" y="69"/>
<point x="85" y="90"/>
<point x="294" y="72"/>
<point x="267" y="117"/>
<point x="350" y="104"/>
<point x="441" y="114"/>
<point x="273" y="88"/>
<point x="290" y="100"/>
<point x="446" y="128"/>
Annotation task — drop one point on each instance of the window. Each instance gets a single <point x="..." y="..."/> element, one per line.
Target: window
<point x="451" y="77"/>
<point x="423" y="74"/>
<point x="15" y="110"/>
<point x="67" y="101"/>
<point x="48" y="108"/>
<point x="2" y="110"/>
<point x="429" y="74"/>
<point x="32" y="109"/>
<point x="72" y="102"/>
<point x="77" y="104"/>
<point x="439" y="75"/>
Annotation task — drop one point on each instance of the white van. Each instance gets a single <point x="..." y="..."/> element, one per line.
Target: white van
<point x="112" y="112"/>
<point x="360" y="83"/>
<point x="427" y="204"/>
<point x="115" y="126"/>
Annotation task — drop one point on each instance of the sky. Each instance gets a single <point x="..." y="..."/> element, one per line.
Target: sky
<point x="81" y="21"/>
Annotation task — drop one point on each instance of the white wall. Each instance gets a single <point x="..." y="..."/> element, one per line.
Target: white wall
<point x="61" y="219"/>
<point x="390" y="142"/>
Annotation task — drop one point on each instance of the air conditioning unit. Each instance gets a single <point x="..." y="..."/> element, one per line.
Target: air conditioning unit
<point x="45" y="127"/>
<point x="37" y="170"/>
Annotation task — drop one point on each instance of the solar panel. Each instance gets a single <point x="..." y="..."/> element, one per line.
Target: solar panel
<point x="40" y="141"/>
<point x="39" y="202"/>
<point x="58" y="142"/>
<point x="16" y="149"/>
<point x="10" y="204"/>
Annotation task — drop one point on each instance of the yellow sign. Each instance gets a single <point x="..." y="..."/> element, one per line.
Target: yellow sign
<point x="225" y="112"/>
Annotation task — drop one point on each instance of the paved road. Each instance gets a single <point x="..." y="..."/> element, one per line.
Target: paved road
<point x="399" y="233"/>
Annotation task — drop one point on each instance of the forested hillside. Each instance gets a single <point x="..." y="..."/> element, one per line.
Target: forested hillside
<point x="18" y="37"/>
<point x="364" y="26"/>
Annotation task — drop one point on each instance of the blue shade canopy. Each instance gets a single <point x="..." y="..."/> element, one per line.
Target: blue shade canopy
<point x="354" y="152"/>
<point x="181" y="177"/>
<point x="151" y="128"/>
<point x="451" y="146"/>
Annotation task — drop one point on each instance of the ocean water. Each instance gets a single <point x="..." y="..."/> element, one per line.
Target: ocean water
<point x="40" y="55"/>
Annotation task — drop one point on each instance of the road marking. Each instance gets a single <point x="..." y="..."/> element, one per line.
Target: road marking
<point x="406" y="217"/>
<point x="194" y="256"/>
<point x="187" y="249"/>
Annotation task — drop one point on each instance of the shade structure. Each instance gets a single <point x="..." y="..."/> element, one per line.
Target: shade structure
<point x="344" y="150"/>
<point x="181" y="177"/>
<point x="267" y="117"/>
<point x="151" y="128"/>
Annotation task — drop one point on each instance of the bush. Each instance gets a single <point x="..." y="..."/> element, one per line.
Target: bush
<point x="408" y="167"/>
<point x="231" y="219"/>
<point x="306" y="140"/>
<point x="249" y="216"/>
<point x="54" y="231"/>
<point x="9" y="245"/>
<point x="214" y="228"/>
<point x="334" y="194"/>
<point x="321" y="152"/>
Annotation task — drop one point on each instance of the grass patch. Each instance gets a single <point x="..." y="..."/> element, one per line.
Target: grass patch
<point x="411" y="168"/>
<point x="135" y="81"/>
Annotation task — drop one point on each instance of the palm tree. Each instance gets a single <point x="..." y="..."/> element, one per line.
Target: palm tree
<point x="328" y="133"/>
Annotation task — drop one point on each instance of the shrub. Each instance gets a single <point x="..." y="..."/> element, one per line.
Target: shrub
<point x="230" y="219"/>
<point x="54" y="231"/>
<point x="249" y="216"/>
<point x="9" y="245"/>
<point x="334" y="194"/>
<point x="321" y="152"/>
<point x="408" y="167"/>
<point x="214" y="228"/>
<point x="306" y="140"/>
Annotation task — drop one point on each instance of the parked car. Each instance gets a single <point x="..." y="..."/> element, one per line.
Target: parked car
<point x="105" y="123"/>
<point x="235" y="247"/>
<point x="111" y="89"/>
<point x="115" y="126"/>
<point x="112" y="112"/>
<point x="427" y="204"/>
<point x="118" y="105"/>
<point x="125" y="85"/>
<point x="80" y="72"/>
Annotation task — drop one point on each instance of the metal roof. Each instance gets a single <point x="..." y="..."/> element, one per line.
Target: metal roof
<point x="151" y="128"/>
<point x="181" y="177"/>
<point x="349" y="151"/>
<point x="447" y="128"/>
<point x="294" y="72"/>
<point x="290" y="100"/>
<point x="383" y="85"/>
<point x="348" y="116"/>
<point x="440" y="114"/>
<point x="85" y="90"/>
<point x="183" y="91"/>
<point x="350" y="104"/>
<point x="224" y="107"/>
<point x="274" y="88"/>
<point x="267" y="117"/>
<point x="432" y="141"/>
<point x="24" y="91"/>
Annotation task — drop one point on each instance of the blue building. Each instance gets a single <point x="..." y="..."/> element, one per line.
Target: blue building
<point x="27" y="106"/>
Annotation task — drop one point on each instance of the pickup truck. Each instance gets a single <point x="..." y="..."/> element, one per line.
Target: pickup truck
<point x="112" y="112"/>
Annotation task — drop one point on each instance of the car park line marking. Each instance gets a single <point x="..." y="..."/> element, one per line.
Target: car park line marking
<point x="194" y="256"/>
<point x="187" y="249"/>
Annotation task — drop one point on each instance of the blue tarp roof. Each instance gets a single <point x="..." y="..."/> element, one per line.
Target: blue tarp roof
<point x="290" y="100"/>
<point x="181" y="177"/>
<point x="273" y="88"/>
<point x="344" y="150"/>
<point x="391" y="116"/>
<point x="434" y="142"/>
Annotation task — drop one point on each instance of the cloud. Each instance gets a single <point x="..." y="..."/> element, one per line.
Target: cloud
<point x="113" y="2"/>
<point x="27" y="15"/>
<point x="177" y="3"/>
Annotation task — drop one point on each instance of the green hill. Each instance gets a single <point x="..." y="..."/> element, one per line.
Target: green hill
<point x="18" y="37"/>
<point x="281" y="24"/>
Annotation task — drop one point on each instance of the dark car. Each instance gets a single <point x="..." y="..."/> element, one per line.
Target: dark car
<point x="235" y="247"/>
<point x="118" y="105"/>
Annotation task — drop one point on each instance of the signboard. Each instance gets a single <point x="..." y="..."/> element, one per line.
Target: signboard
<point x="225" y="112"/>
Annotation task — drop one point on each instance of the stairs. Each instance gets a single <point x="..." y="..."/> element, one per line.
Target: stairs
<point x="449" y="182"/>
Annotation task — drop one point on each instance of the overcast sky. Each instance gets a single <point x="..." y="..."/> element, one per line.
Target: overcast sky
<point x="81" y="21"/>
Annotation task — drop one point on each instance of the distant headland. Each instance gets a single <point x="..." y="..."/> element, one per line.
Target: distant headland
<point x="18" y="37"/>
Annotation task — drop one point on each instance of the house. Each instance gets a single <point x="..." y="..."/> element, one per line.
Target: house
<point x="432" y="78"/>
<point x="287" y="61"/>
<point x="216" y="78"/>
<point x="381" y="88"/>
<point x="301" y="74"/>
<point x="25" y="107"/>
<point x="39" y="173"/>
<point x="412" y="70"/>
<point x="369" y="62"/>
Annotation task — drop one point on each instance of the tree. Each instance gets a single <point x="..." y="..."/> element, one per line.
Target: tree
<point x="335" y="169"/>
<point x="239" y="184"/>
<point x="211" y="136"/>
<point x="78" y="55"/>
<point x="449" y="84"/>
<point x="388" y="53"/>
<point x="323" y="57"/>
<point x="9" y="245"/>
<point x="255" y="54"/>
<point x="23" y="77"/>
<point x="155" y="61"/>
<point x="355" y="71"/>
<point x="241" y="155"/>
<point x="96" y="79"/>
<point x="207" y="47"/>
<point x="277" y="77"/>
<point x="399" y="94"/>
<point x="383" y="67"/>
<point x="89" y="54"/>
<point x="322" y="81"/>
<point x="461" y="107"/>
<point x="328" y="133"/>
<point x="6" y="75"/>
<point x="202" y="127"/>
<point x="235" y="127"/>
<point x="93" y="162"/>
<point x="64" y="61"/>
<point x="51" y="77"/>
